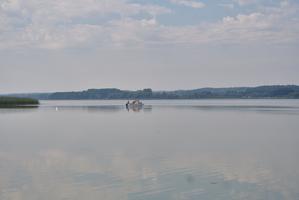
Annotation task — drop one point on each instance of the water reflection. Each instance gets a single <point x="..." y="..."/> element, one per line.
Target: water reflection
<point x="123" y="177"/>
<point x="267" y="106"/>
<point x="99" y="108"/>
<point x="26" y="109"/>
<point x="147" y="108"/>
<point x="174" y="152"/>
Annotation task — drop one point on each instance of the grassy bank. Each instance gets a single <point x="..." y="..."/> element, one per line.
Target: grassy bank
<point x="15" y="102"/>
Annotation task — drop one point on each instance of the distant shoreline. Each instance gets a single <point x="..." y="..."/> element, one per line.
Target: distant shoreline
<point x="170" y="99"/>
<point x="260" y="92"/>
<point x="12" y="102"/>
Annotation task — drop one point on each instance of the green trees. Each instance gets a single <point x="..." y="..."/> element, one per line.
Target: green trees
<point x="15" y="101"/>
<point x="272" y="91"/>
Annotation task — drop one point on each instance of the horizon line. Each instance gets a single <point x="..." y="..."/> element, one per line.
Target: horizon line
<point x="161" y="90"/>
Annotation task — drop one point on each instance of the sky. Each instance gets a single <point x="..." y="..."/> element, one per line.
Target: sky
<point x="71" y="45"/>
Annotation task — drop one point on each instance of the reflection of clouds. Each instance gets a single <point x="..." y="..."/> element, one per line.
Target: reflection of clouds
<point x="49" y="171"/>
<point x="72" y="176"/>
<point x="148" y="173"/>
<point x="124" y="167"/>
<point x="229" y="168"/>
<point x="241" y="171"/>
<point x="286" y="110"/>
<point x="97" y="155"/>
<point x="191" y="194"/>
<point x="56" y="174"/>
<point x="19" y="110"/>
<point x="97" y="108"/>
<point x="92" y="108"/>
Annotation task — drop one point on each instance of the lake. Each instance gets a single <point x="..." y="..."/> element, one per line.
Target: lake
<point x="170" y="149"/>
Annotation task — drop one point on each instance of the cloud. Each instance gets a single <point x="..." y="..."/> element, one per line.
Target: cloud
<point x="189" y="3"/>
<point x="271" y="26"/>
<point x="245" y="2"/>
<point x="59" y="24"/>
<point x="227" y="5"/>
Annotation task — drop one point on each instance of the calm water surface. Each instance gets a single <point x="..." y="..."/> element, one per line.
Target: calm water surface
<point x="178" y="150"/>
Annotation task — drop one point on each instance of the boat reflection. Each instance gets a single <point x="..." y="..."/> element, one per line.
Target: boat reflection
<point x="135" y="106"/>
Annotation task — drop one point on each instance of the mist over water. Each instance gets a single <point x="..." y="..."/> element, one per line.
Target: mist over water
<point x="172" y="149"/>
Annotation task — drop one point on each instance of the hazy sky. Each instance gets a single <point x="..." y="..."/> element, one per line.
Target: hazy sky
<point x="58" y="45"/>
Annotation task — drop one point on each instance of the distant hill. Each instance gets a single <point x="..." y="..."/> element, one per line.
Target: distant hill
<point x="272" y="91"/>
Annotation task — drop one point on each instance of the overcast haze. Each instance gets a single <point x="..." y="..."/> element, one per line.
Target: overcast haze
<point x="54" y="45"/>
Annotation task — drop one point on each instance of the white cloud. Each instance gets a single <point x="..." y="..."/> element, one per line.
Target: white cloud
<point x="284" y="3"/>
<point x="57" y="24"/>
<point x="271" y="26"/>
<point x="245" y="2"/>
<point x="189" y="3"/>
<point x="227" y="5"/>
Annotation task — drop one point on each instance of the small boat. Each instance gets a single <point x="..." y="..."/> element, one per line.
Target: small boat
<point x="136" y="104"/>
